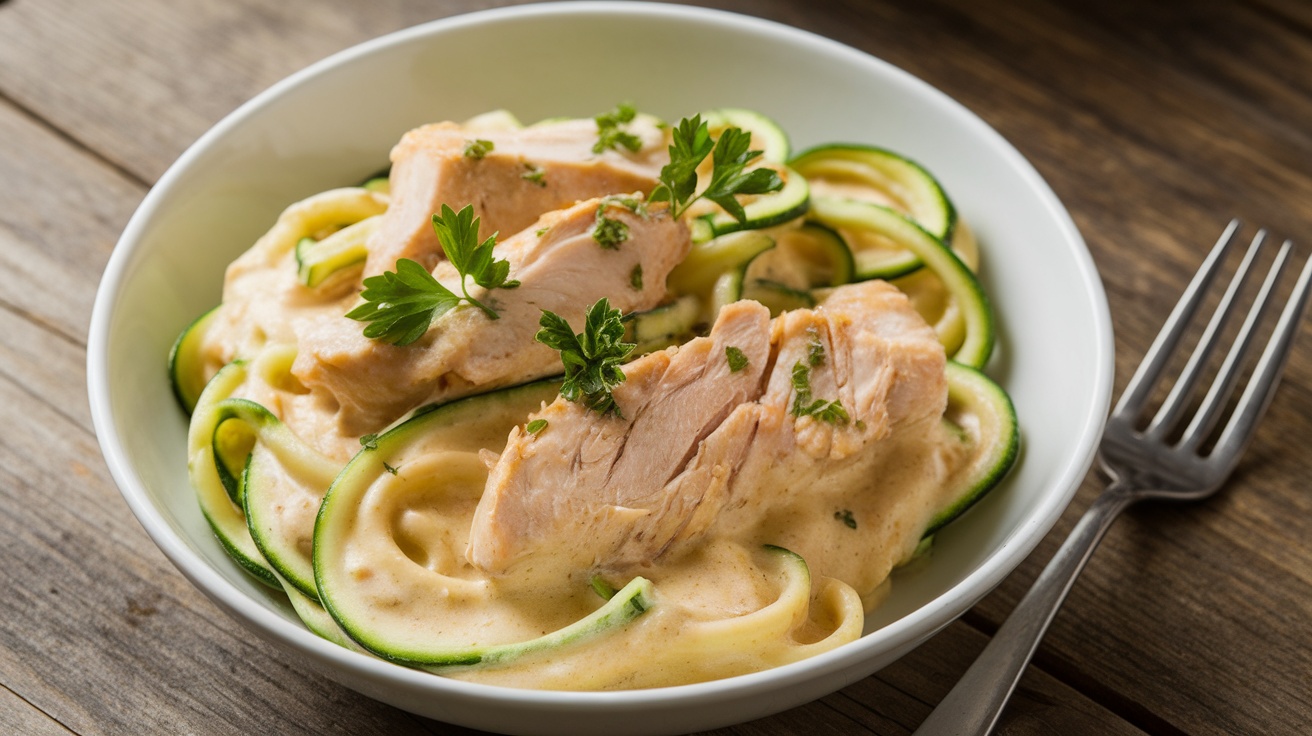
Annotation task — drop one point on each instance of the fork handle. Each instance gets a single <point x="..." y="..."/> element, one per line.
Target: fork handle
<point x="974" y="704"/>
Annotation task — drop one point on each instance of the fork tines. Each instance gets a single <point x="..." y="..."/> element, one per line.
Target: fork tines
<point x="1264" y="377"/>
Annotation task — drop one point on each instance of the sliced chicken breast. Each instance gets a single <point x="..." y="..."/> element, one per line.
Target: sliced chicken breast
<point x="560" y="267"/>
<point x="722" y="449"/>
<point x="523" y="174"/>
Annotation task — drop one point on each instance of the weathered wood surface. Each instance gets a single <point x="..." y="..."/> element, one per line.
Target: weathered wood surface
<point x="1154" y="122"/>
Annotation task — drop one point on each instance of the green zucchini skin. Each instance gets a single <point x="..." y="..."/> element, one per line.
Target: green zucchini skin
<point x="225" y="517"/>
<point x="666" y="325"/>
<point x="260" y="497"/>
<point x="774" y="144"/>
<point x="317" y="260"/>
<point x="441" y="425"/>
<point x="186" y="376"/>
<point x="886" y="170"/>
<point x="960" y="280"/>
<point x="969" y="390"/>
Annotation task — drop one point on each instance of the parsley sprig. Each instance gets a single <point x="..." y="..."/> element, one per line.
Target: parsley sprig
<point x="592" y="358"/>
<point x="690" y="144"/>
<point x="400" y="305"/>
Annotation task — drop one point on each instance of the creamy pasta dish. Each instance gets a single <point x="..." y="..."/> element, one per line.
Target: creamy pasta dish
<point x="597" y="403"/>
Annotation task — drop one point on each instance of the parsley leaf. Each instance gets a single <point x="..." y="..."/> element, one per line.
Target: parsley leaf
<point x="535" y="426"/>
<point x="737" y="358"/>
<point x="400" y="305"/>
<point x="690" y="144"/>
<point x="846" y="517"/>
<point x="609" y="132"/>
<point x="369" y="442"/>
<point x="635" y="277"/>
<point x="458" y="234"/>
<point x="727" y="178"/>
<point x="592" y="358"/>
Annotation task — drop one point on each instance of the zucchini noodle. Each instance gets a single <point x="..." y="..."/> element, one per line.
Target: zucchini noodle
<point x="367" y="532"/>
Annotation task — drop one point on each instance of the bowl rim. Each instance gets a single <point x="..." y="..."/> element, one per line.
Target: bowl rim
<point x="912" y="629"/>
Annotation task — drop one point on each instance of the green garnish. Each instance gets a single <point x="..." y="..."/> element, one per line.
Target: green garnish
<point x="541" y="231"/>
<point x="609" y="232"/>
<point x="846" y="517"/>
<point x="609" y="132"/>
<point x="737" y="359"/>
<point x="400" y="305"/>
<point x="635" y="277"/>
<point x="831" y="412"/>
<point x="534" y="174"/>
<point x="535" y="426"/>
<point x="369" y="442"/>
<point x="478" y="148"/>
<point x="815" y="351"/>
<point x="592" y="358"/>
<point x="690" y="145"/>
<point x="389" y="468"/>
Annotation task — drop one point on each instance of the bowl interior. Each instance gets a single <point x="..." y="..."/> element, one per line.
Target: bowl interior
<point x="335" y="122"/>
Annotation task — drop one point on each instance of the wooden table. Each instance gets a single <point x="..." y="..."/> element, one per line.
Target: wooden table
<point x="1154" y="123"/>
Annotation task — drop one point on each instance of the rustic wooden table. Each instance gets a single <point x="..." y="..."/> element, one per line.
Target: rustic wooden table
<point x="1154" y="123"/>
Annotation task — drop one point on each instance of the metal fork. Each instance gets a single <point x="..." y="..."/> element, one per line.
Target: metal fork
<point x="1145" y="463"/>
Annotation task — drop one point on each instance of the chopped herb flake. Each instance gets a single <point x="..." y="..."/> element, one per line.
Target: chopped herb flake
<point x="610" y="134"/>
<point x="635" y="277"/>
<point x="534" y="174"/>
<point x="542" y="231"/>
<point x="815" y="352"/>
<point x="369" y="442"/>
<point x="831" y="412"/>
<point x="478" y="148"/>
<point x="535" y="426"/>
<point x="389" y="468"/>
<point x="846" y="517"/>
<point x="737" y="359"/>
<point x="609" y="232"/>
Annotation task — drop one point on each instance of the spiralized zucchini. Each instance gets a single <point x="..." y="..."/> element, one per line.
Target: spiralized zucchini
<point x="366" y="535"/>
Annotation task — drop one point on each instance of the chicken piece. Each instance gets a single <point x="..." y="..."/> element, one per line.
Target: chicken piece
<point x="525" y="173"/>
<point x="622" y="489"/>
<point x="560" y="267"/>
<point x="596" y="491"/>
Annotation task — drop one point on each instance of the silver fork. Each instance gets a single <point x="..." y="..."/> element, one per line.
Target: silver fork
<point x="1148" y="463"/>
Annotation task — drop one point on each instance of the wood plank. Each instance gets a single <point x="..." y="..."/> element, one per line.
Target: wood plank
<point x="17" y="716"/>
<point x="56" y="229"/>
<point x="138" y="82"/>
<point x="1185" y="608"/>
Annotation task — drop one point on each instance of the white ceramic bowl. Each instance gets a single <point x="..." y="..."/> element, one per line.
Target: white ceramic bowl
<point x="335" y="122"/>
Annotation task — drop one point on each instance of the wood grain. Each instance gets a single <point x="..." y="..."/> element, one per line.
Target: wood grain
<point x="1154" y="123"/>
